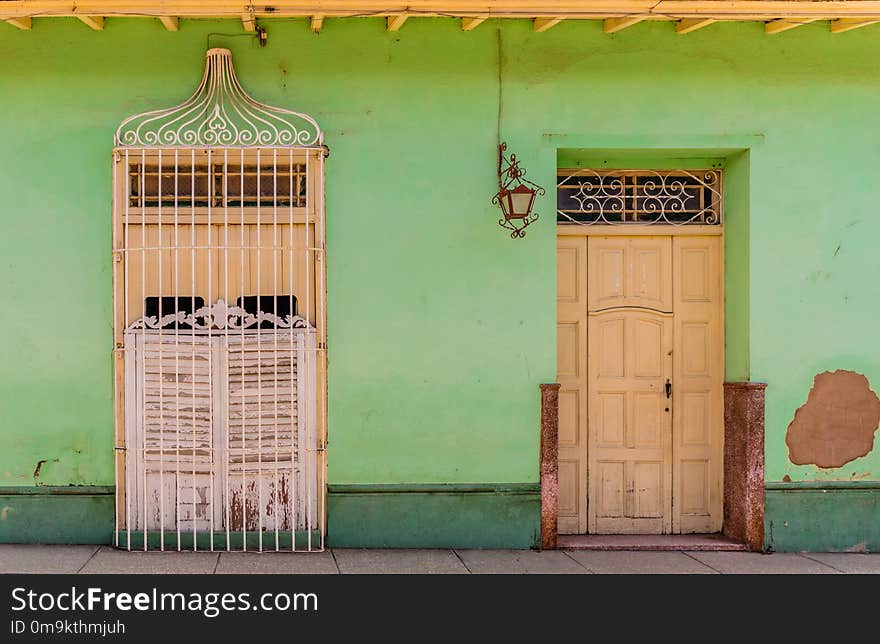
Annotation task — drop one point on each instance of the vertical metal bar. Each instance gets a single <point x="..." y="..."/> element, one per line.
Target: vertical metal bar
<point x="259" y="362"/>
<point x="116" y="348"/>
<point x="211" y="444"/>
<point x="144" y="337"/>
<point x="322" y="341"/>
<point x="225" y="463"/>
<point x="307" y="256"/>
<point x="242" y="450"/>
<point x="275" y="330"/>
<point x="160" y="383"/>
<point x="294" y="374"/>
<point x="129" y="465"/>
<point x="193" y="343"/>
<point x="177" y="348"/>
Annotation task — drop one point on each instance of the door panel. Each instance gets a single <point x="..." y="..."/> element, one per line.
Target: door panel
<point x="607" y="272"/>
<point x="630" y="271"/>
<point x="571" y="342"/>
<point x="697" y="385"/>
<point x="630" y="422"/>
<point x="649" y="264"/>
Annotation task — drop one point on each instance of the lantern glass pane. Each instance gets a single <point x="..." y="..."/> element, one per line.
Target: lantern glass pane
<point x="504" y="202"/>
<point x="521" y="202"/>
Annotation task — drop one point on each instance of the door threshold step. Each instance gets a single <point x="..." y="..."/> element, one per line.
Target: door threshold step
<point x="659" y="542"/>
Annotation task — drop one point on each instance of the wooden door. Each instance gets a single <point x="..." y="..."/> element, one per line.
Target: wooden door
<point x="640" y="363"/>
<point x="571" y="346"/>
<point x="630" y="444"/>
<point x="630" y="361"/>
<point x="697" y="385"/>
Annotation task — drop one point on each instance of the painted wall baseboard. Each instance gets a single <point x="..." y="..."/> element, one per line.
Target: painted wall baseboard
<point x="58" y="515"/>
<point x="434" y="516"/>
<point x="822" y="516"/>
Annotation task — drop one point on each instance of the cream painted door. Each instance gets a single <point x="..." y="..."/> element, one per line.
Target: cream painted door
<point x="571" y="338"/>
<point x="630" y="479"/>
<point x="698" y="374"/>
<point x="638" y="455"/>
<point x="629" y="363"/>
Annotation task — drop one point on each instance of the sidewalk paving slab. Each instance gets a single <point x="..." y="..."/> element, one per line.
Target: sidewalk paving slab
<point x="353" y="560"/>
<point x="38" y="559"/>
<point x="520" y="561"/>
<point x="249" y="563"/>
<point x="848" y="562"/>
<point x="758" y="563"/>
<point x="632" y="562"/>
<point x="109" y="560"/>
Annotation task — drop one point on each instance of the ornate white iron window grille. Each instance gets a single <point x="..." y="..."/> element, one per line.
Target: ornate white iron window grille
<point x="624" y="197"/>
<point x="220" y="407"/>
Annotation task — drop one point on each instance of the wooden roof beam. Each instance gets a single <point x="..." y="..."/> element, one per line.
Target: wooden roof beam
<point x="94" y="22"/>
<point x="841" y="25"/>
<point x="171" y="23"/>
<point x="784" y="24"/>
<point x="316" y="24"/>
<point x="395" y="22"/>
<point x="468" y="24"/>
<point x="613" y="25"/>
<point x="762" y="10"/>
<point x="692" y="24"/>
<point x="20" y="23"/>
<point x="543" y="24"/>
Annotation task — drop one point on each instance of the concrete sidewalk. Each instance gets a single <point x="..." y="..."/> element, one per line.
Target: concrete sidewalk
<point x="104" y="559"/>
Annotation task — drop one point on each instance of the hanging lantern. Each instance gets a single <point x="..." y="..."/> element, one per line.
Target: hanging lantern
<point x="516" y="195"/>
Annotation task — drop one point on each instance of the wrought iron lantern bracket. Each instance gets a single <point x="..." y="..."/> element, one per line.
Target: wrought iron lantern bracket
<point x="516" y="194"/>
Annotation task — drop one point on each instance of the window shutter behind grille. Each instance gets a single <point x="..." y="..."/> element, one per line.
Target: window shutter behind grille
<point x="169" y="400"/>
<point x="268" y="417"/>
<point x="256" y="390"/>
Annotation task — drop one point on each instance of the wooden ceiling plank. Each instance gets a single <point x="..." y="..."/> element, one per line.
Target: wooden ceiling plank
<point x="171" y="23"/>
<point x="613" y="25"/>
<point x="395" y="22"/>
<point x="784" y="24"/>
<point x="21" y="23"/>
<point x="543" y="24"/>
<point x="94" y="22"/>
<point x="842" y="25"/>
<point x="469" y="24"/>
<point x="692" y="24"/>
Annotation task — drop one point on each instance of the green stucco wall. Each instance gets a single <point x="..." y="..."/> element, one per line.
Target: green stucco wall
<point x="440" y="326"/>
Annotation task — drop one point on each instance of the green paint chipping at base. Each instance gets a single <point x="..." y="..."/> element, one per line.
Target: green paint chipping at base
<point x="249" y="541"/>
<point x="434" y="516"/>
<point x="56" y="515"/>
<point x="822" y="517"/>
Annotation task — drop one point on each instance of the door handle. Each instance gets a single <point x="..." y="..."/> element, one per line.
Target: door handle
<point x="668" y="388"/>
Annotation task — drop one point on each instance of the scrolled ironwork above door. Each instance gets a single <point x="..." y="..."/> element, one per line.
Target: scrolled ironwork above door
<point x="623" y="197"/>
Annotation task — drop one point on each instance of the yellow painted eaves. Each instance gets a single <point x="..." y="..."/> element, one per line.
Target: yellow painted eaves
<point x="845" y="14"/>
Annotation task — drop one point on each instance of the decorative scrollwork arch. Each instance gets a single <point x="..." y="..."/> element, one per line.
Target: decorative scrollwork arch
<point x="220" y="113"/>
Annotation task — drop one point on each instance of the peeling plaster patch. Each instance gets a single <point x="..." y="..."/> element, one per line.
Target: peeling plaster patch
<point x="837" y="423"/>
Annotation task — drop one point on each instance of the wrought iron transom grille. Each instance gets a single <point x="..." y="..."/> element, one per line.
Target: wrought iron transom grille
<point x="620" y="197"/>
